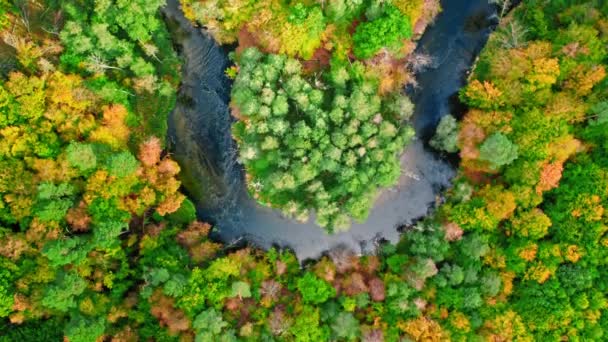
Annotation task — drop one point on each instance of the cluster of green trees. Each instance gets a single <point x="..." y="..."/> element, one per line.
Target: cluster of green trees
<point x="300" y="28"/>
<point x="325" y="146"/>
<point x="98" y="244"/>
<point x="80" y="172"/>
<point x="533" y="182"/>
<point x="126" y="42"/>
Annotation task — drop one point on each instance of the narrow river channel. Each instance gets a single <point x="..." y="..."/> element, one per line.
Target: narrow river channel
<point x="199" y="134"/>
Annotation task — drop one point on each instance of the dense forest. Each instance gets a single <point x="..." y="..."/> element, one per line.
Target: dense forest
<point x="98" y="243"/>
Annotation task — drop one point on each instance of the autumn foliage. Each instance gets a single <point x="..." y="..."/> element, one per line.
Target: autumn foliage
<point x="97" y="242"/>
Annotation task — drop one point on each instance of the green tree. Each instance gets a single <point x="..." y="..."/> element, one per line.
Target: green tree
<point x="241" y="290"/>
<point x="175" y="286"/>
<point x="84" y="329"/>
<point x="498" y="150"/>
<point x="343" y="11"/>
<point x="6" y="286"/>
<point x="314" y="290"/>
<point x="398" y="303"/>
<point x="81" y="156"/>
<point x="54" y="201"/>
<point x="532" y="224"/>
<point x="306" y="326"/>
<point x="61" y="296"/>
<point x="34" y="330"/>
<point x="446" y="136"/>
<point x="208" y="325"/>
<point x="386" y="30"/>
<point x="66" y="251"/>
<point x="345" y="327"/>
<point x="122" y="164"/>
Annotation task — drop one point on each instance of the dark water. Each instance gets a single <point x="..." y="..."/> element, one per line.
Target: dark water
<point x="454" y="41"/>
<point x="199" y="131"/>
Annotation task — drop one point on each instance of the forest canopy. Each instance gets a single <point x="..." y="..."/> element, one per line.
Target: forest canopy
<point x="98" y="243"/>
<point x="325" y="146"/>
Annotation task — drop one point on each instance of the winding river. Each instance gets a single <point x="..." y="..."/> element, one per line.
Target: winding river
<point x="200" y="140"/>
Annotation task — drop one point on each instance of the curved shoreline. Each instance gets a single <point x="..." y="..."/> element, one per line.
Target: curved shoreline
<point x="199" y="129"/>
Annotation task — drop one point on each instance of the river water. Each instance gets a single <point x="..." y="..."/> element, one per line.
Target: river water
<point x="200" y="140"/>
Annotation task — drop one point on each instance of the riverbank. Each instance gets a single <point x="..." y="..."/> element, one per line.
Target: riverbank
<point x="201" y="142"/>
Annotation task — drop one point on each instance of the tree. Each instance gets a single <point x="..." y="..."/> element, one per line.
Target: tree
<point x="300" y="35"/>
<point x="600" y="113"/>
<point x="345" y="327"/>
<point x="306" y="326"/>
<point x="81" y="156"/>
<point x="483" y="95"/>
<point x="53" y="201"/>
<point x="314" y="290"/>
<point x="343" y="10"/>
<point x="387" y="30"/>
<point x="66" y="251"/>
<point x="175" y="286"/>
<point x="106" y="34"/>
<point x="498" y="150"/>
<point x="122" y="164"/>
<point x="163" y="309"/>
<point x="513" y="35"/>
<point x="114" y="131"/>
<point x="61" y="295"/>
<point x="490" y="284"/>
<point x="446" y="135"/>
<point x="398" y="302"/>
<point x="532" y="224"/>
<point x="241" y="290"/>
<point x="223" y="19"/>
<point x="6" y="287"/>
<point x="150" y="152"/>
<point x="83" y="329"/>
<point x="208" y="325"/>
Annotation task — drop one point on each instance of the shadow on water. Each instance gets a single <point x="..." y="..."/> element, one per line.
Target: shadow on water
<point x="199" y="133"/>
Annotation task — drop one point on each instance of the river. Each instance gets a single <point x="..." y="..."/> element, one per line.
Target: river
<point x="200" y="139"/>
